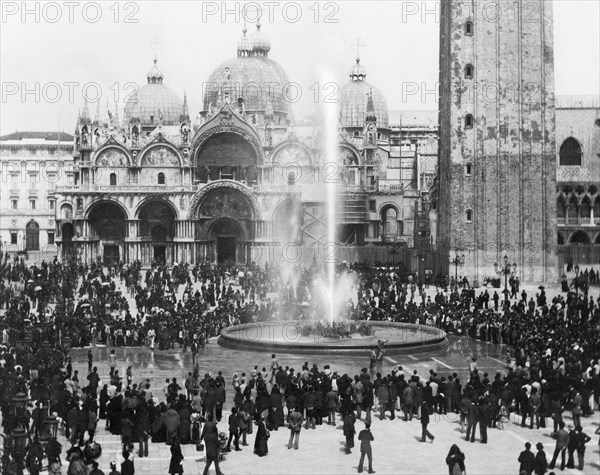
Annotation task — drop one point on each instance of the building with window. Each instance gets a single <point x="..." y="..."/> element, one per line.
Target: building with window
<point x="578" y="179"/>
<point x="32" y="165"/>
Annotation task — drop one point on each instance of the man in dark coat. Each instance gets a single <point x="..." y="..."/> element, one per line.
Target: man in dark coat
<point x="541" y="463"/>
<point x="527" y="460"/>
<point x="366" y="438"/>
<point x="210" y="435"/>
<point x="127" y="467"/>
<point x="234" y="430"/>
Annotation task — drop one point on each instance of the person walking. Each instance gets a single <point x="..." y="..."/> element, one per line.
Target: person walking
<point x="526" y="460"/>
<point x="210" y="435"/>
<point x="581" y="439"/>
<point x="175" y="466"/>
<point x="112" y="362"/>
<point x="424" y="422"/>
<point x="472" y="420"/>
<point x="261" y="446"/>
<point x="562" y="441"/>
<point x="366" y="437"/>
<point x="455" y="461"/>
<point x="349" y="430"/>
<point x="234" y="430"/>
<point x="295" y="425"/>
<point x="541" y="463"/>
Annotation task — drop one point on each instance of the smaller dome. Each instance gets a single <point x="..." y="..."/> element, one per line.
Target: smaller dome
<point x="260" y="42"/>
<point x="155" y="75"/>
<point x="244" y="46"/>
<point x="357" y="72"/>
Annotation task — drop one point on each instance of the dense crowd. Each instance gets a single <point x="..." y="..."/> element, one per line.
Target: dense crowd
<point x="554" y="366"/>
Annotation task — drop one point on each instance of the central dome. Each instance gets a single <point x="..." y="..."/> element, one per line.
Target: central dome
<point x="251" y="76"/>
<point x="354" y="97"/>
<point x="154" y="102"/>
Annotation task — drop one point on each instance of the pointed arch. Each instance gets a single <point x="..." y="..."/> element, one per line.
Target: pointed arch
<point x="570" y="152"/>
<point x="579" y="237"/>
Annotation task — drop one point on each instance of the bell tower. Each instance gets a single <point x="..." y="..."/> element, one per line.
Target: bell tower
<point x="497" y="156"/>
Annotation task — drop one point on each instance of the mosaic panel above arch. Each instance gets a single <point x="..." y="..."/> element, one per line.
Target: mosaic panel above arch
<point x="160" y="156"/>
<point x="112" y="157"/>
<point x="292" y="154"/>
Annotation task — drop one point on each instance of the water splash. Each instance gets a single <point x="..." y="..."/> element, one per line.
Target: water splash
<point x="331" y="163"/>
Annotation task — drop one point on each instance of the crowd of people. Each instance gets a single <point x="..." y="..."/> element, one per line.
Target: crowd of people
<point x="553" y="361"/>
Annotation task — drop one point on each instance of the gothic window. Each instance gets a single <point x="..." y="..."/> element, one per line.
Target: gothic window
<point x="161" y="178"/>
<point x="572" y="210"/>
<point x="113" y="179"/>
<point x="291" y="178"/>
<point x="356" y="133"/>
<point x="468" y="169"/>
<point x="570" y="153"/>
<point x="469" y="215"/>
<point x="469" y="28"/>
<point x="561" y="210"/>
<point x="586" y="210"/>
<point x="469" y="121"/>
<point x="469" y="71"/>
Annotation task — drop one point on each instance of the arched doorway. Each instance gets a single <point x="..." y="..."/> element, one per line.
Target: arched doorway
<point x="32" y="236"/>
<point x="107" y="224"/>
<point x="228" y="236"/>
<point x="67" y="233"/>
<point x="157" y="230"/>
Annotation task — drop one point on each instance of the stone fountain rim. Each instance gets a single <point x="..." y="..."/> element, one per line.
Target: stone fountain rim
<point x="341" y="347"/>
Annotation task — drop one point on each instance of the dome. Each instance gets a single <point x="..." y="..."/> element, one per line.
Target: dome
<point x="260" y="42"/>
<point x="252" y="76"/>
<point x="358" y="71"/>
<point x="244" y="46"/>
<point x="354" y="97"/>
<point x="154" y="100"/>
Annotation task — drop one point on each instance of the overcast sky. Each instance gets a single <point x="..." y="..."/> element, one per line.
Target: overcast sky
<point x="113" y="45"/>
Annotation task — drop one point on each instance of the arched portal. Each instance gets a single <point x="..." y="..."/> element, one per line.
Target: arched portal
<point x="67" y="233"/>
<point x="228" y="236"/>
<point x="108" y="226"/>
<point x="157" y="230"/>
<point x="32" y="236"/>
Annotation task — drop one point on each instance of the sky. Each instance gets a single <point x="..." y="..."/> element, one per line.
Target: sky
<point x="54" y="53"/>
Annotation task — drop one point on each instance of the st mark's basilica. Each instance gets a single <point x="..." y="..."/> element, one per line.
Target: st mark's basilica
<point x="243" y="180"/>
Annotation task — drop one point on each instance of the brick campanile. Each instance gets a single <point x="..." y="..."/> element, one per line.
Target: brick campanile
<point x="497" y="159"/>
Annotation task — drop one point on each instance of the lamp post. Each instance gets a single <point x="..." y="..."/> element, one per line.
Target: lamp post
<point x="576" y="280"/>
<point x="457" y="261"/>
<point x="19" y="442"/>
<point x="506" y="270"/>
<point x="50" y="430"/>
<point x="19" y="434"/>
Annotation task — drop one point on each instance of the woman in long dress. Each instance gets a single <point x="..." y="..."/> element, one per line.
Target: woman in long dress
<point x="261" y="446"/>
<point x="456" y="461"/>
<point x="175" y="466"/>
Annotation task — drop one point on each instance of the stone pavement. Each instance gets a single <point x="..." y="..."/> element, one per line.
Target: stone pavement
<point x="396" y="450"/>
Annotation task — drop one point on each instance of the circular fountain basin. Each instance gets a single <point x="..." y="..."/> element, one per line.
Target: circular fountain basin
<point x="286" y="337"/>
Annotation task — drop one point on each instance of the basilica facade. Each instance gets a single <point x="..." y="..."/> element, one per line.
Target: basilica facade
<point x="243" y="181"/>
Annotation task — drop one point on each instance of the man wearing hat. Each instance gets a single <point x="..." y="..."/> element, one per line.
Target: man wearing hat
<point x="527" y="461"/>
<point x="541" y="463"/>
<point x="113" y="468"/>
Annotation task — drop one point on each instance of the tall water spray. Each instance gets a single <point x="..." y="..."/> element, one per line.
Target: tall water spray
<point x="331" y="176"/>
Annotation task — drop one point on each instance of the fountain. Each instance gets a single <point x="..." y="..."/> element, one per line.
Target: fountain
<point x="330" y="292"/>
